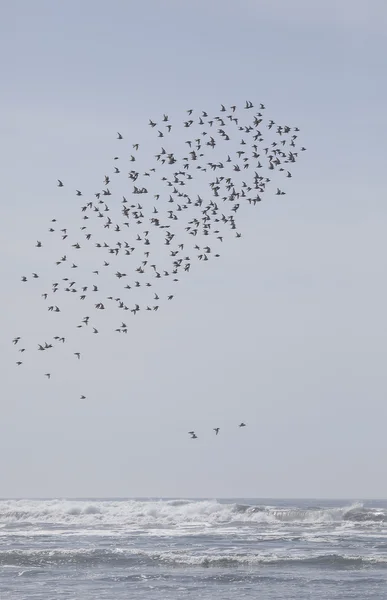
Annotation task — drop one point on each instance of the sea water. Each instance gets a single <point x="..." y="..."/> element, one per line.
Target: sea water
<point x="181" y="548"/>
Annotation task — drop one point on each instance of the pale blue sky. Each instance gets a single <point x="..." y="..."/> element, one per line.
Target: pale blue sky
<point x="286" y="332"/>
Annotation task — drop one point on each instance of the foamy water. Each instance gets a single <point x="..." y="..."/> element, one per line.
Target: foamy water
<point x="181" y="548"/>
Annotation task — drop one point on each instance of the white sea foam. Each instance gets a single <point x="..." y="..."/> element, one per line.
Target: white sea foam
<point x="171" y="514"/>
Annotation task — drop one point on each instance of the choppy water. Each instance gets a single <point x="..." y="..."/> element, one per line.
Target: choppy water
<point x="166" y="549"/>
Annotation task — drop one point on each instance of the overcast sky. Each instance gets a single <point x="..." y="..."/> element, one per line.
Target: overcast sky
<point x="287" y="331"/>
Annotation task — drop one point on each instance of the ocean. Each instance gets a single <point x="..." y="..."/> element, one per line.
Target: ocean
<point x="209" y="549"/>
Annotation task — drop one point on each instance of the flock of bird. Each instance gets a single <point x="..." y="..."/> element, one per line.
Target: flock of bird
<point x="216" y="429"/>
<point x="157" y="213"/>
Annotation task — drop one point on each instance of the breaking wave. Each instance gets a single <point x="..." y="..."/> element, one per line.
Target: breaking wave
<point x="171" y="513"/>
<point x="180" y="558"/>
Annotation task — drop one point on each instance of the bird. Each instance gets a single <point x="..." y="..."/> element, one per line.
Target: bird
<point x="119" y="136"/>
<point x="242" y="425"/>
<point x="216" y="429"/>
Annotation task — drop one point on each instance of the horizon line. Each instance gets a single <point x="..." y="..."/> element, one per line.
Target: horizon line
<point x="197" y="498"/>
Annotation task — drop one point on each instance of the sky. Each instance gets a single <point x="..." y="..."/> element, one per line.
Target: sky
<point x="285" y="332"/>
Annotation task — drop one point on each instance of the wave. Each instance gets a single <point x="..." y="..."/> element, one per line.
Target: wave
<point x="129" y="558"/>
<point x="171" y="514"/>
<point x="360" y="514"/>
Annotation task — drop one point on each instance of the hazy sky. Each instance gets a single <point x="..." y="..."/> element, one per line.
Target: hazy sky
<point x="287" y="331"/>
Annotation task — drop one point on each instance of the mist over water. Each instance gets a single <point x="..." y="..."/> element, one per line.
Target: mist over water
<point x="181" y="548"/>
